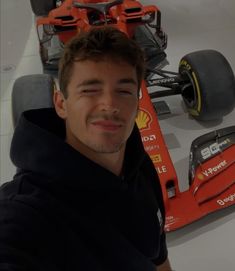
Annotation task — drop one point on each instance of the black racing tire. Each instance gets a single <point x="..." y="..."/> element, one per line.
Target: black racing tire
<point x="42" y="7"/>
<point x="31" y="92"/>
<point x="210" y="92"/>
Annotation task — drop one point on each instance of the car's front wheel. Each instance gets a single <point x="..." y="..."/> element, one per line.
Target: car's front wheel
<point x="210" y="92"/>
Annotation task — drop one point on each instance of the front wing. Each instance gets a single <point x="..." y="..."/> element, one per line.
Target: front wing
<point x="211" y="171"/>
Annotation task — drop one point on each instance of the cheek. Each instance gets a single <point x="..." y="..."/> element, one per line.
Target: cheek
<point x="133" y="110"/>
<point x="78" y="113"/>
<point x="75" y="115"/>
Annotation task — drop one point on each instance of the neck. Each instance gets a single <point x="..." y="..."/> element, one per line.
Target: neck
<point x="110" y="161"/>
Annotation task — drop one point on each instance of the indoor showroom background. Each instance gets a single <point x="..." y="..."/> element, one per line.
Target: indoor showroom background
<point x="208" y="244"/>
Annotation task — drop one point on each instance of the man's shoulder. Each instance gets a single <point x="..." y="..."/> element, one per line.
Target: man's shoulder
<point x="28" y="230"/>
<point x="23" y="204"/>
<point x="20" y="183"/>
<point x="25" y="193"/>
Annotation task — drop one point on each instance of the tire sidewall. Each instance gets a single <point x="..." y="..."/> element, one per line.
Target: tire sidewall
<point x="213" y="84"/>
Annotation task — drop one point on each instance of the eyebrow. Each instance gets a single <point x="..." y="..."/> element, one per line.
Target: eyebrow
<point x="91" y="82"/>
<point x="127" y="81"/>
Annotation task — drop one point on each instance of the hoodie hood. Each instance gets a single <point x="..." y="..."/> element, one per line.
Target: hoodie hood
<point x="39" y="146"/>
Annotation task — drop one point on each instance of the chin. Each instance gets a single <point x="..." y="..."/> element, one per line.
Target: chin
<point x="106" y="148"/>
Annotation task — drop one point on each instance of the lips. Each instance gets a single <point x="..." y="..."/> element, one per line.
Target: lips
<point x="107" y="125"/>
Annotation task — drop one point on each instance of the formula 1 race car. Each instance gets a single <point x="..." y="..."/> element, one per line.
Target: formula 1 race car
<point x="204" y="79"/>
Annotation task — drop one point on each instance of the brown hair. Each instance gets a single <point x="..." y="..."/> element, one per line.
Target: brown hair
<point x="98" y="44"/>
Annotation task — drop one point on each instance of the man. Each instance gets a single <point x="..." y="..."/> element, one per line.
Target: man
<point x="86" y="196"/>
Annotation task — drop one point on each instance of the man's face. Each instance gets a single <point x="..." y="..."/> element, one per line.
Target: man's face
<point x="101" y="107"/>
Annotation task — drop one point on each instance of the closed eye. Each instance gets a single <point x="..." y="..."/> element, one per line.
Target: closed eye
<point x="89" y="91"/>
<point x="125" y="92"/>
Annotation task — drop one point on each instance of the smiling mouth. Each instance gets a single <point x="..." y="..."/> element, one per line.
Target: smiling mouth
<point x="107" y="125"/>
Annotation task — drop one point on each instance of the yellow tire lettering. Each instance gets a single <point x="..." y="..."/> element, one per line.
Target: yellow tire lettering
<point x="183" y="62"/>
<point x="199" y="99"/>
<point x="192" y="111"/>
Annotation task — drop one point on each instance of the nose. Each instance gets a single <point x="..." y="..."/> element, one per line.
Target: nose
<point x="109" y="103"/>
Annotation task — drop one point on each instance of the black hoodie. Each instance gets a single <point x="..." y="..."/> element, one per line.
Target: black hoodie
<point x="62" y="211"/>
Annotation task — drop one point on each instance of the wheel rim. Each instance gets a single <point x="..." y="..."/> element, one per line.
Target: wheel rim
<point x="189" y="92"/>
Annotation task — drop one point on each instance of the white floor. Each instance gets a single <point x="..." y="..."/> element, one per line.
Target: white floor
<point x="209" y="244"/>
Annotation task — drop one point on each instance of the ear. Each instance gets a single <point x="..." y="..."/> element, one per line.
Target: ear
<point x="60" y="104"/>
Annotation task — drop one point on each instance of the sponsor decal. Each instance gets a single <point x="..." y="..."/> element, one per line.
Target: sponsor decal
<point x="156" y="158"/>
<point x="165" y="80"/>
<point x="143" y="119"/>
<point x="210" y="171"/>
<point x="151" y="148"/>
<point x="200" y="176"/>
<point x="213" y="148"/>
<point x="148" y="138"/>
<point x="170" y="220"/>
<point x="161" y="169"/>
<point x="230" y="198"/>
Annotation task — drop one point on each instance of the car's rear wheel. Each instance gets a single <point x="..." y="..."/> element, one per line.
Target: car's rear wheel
<point x="210" y="92"/>
<point x="42" y="7"/>
<point x="31" y="92"/>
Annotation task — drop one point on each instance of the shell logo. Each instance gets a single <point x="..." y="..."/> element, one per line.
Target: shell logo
<point x="200" y="176"/>
<point x="143" y="119"/>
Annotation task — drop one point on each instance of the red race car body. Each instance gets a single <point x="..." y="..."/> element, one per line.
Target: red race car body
<point x="212" y="157"/>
